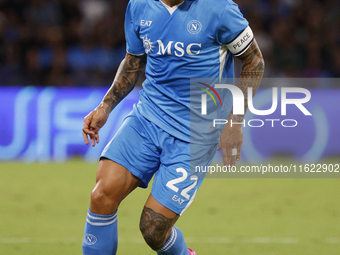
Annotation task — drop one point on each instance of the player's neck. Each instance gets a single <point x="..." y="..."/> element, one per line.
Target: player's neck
<point x="172" y="3"/>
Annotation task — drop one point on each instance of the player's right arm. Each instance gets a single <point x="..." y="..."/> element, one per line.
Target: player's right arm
<point x="129" y="71"/>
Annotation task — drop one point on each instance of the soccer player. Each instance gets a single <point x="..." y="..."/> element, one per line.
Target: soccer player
<point x="171" y="41"/>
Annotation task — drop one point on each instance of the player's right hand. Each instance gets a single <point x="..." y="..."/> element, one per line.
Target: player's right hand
<point x="231" y="138"/>
<point x="93" y="122"/>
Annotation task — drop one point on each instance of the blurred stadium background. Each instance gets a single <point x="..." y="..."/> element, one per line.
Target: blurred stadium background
<point x="81" y="42"/>
<point x="57" y="58"/>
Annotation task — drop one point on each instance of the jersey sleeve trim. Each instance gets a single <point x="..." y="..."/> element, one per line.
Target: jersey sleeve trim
<point x="135" y="54"/>
<point x="242" y="42"/>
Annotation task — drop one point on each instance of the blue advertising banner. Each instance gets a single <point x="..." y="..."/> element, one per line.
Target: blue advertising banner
<point x="44" y="124"/>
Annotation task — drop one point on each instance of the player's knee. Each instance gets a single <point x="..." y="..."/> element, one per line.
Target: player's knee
<point x="155" y="235"/>
<point x="102" y="200"/>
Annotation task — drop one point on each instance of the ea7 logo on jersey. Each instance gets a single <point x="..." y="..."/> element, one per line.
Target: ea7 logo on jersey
<point x="178" y="48"/>
<point x="145" y="23"/>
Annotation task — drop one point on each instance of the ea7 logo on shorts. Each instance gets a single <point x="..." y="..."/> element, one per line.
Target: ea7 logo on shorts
<point x="177" y="199"/>
<point x="194" y="27"/>
<point x="90" y="239"/>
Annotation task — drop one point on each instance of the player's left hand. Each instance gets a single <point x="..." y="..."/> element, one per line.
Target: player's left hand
<point x="231" y="139"/>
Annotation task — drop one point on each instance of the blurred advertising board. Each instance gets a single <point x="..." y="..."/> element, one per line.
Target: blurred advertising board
<point x="45" y="124"/>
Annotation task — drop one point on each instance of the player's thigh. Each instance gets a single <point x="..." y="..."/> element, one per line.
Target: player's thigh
<point x="133" y="148"/>
<point x="113" y="183"/>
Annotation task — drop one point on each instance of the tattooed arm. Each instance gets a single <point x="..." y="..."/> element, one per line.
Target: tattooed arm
<point x="129" y="71"/>
<point x="251" y="75"/>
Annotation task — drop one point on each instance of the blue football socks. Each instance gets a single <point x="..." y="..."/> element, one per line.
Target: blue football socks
<point x="100" y="235"/>
<point x="175" y="244"/>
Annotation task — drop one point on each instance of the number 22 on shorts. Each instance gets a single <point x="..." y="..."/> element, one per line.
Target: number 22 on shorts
<point x="184" y="192"/>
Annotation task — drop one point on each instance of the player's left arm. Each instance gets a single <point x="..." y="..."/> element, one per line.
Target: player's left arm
<point x="232" y="136"/>
<point x="251" y="74"/>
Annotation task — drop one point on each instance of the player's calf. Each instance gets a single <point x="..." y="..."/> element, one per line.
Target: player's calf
<point x="114" y="183"/>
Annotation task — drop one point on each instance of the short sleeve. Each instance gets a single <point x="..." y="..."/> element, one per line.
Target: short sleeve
<point x="134" y="45"/>
<point x="233" y="30"/>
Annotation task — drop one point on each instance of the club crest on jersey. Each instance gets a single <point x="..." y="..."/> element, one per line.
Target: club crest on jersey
<point x="147" y="44"/>
<point x="194" y="27"/>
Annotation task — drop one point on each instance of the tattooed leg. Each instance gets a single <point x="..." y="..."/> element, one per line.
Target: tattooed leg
<point x="155" y="227"/>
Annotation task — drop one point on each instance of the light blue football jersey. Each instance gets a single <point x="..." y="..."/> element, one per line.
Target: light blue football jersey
<point x="196" y="39"/>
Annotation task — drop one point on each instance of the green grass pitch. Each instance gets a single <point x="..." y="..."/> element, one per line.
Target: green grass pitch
<point x="43" y="210"/>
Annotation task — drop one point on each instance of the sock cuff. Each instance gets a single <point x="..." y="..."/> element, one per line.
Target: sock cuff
<point x="171" y="240"/>
<point x="100" y="220"/>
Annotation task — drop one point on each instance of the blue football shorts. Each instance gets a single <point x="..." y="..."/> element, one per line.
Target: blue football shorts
<point x="146" y="150"/>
